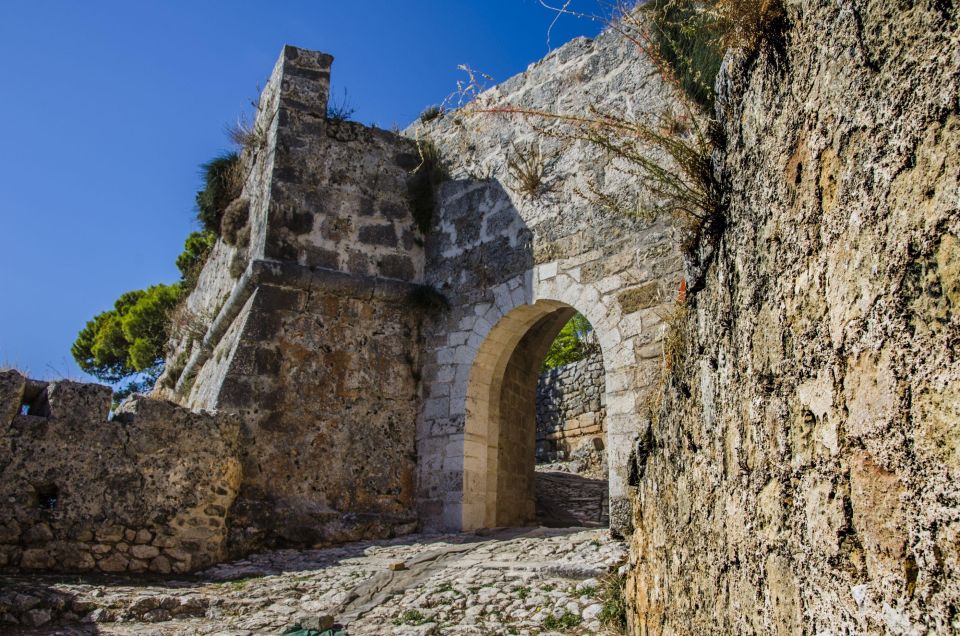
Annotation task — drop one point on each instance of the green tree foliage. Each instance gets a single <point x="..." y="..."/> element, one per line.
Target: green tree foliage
<point x="222" y="184"/>
<point x="194" y="255"/>
<point x="128" y="339"/>
<point x="574" y="342"/>
<point x="127" y="342"/>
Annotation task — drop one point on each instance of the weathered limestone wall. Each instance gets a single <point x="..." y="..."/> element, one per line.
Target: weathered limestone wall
<point x="803" y="475"/>
<point x="324" y="378"/>
<point x="570" y="408"/>
<point x="313" y="340"/>
<point x="506" y="260"/>
<point x="148" y="490"/>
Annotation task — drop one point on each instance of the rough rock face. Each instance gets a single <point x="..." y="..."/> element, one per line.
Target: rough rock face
<point x="570" y="409"/>
<point x="148" y="490"/>
<point x="803" y="473"/>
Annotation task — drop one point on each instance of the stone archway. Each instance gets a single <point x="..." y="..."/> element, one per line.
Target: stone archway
<point x="511" y="324"/>
<point x="500" y="426"/>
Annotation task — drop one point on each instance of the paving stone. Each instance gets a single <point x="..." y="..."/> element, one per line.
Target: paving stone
<point x="453" y="584"/>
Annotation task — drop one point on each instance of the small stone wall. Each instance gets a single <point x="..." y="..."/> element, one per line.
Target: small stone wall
<point x="146" y="491"/>
<point x="571" y="409"/>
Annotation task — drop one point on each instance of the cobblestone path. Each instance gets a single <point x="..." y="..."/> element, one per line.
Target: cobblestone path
<point x="521" y="581"/>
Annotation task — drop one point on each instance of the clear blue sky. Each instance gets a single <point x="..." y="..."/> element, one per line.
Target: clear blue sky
<point x="108" y="108"/>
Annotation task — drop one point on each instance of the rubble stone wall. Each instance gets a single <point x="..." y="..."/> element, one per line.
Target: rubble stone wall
<point x="803" y="475"/>
<point x="325" y="380"/>
<point x="570" y="408"/>
<point x="148" y="490"/>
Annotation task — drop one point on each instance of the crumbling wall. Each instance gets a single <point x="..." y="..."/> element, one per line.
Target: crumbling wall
<point x="148" y="490"/>
<point x="802" y="475"/>
<point x="570" y="408"/>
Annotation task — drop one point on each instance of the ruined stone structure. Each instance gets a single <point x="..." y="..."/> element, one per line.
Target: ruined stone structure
<point x="148" y="490"/>
<point x="313" y="338"/>
<point x="372" y="347"/>
<point x="385" y="370"/>
<point x="570" y="409"/>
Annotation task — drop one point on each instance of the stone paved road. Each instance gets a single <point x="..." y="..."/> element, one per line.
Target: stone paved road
<point x="523" y="581"/>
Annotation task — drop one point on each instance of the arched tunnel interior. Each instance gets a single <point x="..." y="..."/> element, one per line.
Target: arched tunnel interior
<point x="550" y="473"/>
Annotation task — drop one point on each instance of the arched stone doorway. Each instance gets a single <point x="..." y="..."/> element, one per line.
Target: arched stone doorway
<point x="503" y="285"/>
<point x="500" y="427"/>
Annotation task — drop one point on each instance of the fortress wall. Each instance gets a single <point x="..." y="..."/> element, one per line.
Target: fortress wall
<point x="570" y="408"/>
<point x="148" y="490"/>
<point x="803" y="475"/>
<point x="314" y="340"/>
<point x="324" y="378"/>
<point x="494" y="249"/>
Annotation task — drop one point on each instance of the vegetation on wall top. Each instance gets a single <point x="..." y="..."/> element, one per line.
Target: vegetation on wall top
<point x="127" y="344"/>
<point x="223" y="182"/>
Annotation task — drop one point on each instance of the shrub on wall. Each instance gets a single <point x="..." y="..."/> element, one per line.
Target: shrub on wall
<point x="223" y="182"/>
<point x="690" y="37"/>
<point x="194" y="255"/>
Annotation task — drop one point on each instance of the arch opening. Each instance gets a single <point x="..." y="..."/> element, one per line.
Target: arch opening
<point x="500" y="477"/>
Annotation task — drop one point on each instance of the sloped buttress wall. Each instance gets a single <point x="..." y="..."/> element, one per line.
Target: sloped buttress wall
<point x="803" y="475"/>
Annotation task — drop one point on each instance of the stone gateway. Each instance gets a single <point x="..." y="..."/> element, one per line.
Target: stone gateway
<point x="778" y="408"/>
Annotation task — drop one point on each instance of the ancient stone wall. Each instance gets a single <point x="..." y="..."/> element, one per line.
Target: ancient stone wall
<point x="570" y="408"/>
<point x="803" y="475"/>
<point x="309" y="322"/>
<point x="506" y="260"/>
<point x="148" y="490"/>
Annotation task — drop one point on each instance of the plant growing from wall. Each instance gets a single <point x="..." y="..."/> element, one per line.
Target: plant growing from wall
<point x="430" y="113"/>
<point x="340" y="110"/>
<point x="427" y="177"/>
<point x="195" y="251"/>
<point x="223" y="182"/>
<point x="668" y="154"/>
<point x="526" y="167"/>
<point x="247" y="134"/>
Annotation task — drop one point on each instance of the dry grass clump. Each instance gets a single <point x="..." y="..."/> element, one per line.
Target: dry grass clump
<point x="669" y="156"/>
<point x="247" y="135"/>
<point x="746" y="24"/>
<point x="612" y="597"/>
<point x="526" y="167"/>
<point x="340" y="110"/>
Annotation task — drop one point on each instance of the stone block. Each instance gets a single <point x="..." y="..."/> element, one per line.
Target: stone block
<point x="878" y="516"/>
<point x="37" y="559"/>
<point x="160" y="564"/>
<point x="113" y="563"/>
<point x="79" y="402"/>
<point x="145" y="552"/>
<point x="12" y="385"/>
